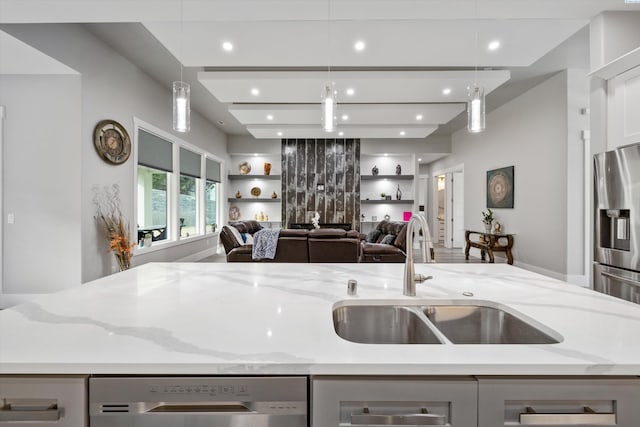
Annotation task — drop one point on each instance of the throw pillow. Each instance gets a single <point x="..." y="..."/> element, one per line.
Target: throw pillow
<point x="388" y="239"/>
<point x="372" y="236"/>
<point x="249" y="240"/>
<point x="236" y="234"/>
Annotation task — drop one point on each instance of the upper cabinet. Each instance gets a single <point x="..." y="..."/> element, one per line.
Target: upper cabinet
<point x="623" y="114"/>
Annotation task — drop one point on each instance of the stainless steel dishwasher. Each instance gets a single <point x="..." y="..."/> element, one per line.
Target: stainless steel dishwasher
<point x="198" y="401"/>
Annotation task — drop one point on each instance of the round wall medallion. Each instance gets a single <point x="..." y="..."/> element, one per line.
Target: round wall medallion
<point x="112" y="142"/>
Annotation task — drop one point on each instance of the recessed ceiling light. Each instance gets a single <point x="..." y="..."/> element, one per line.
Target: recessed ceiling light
<point x="340" y="133"/>
<point x="385" y="154"/>
<point x="227" y="46"/>
<point x="419" y="117"/>
<point x="350" y="91"/>
<point x="255" y="154"/>
<point x="279" y="133"/>
<point x="419" y="160"/>
<point x="494" y="45"/>
<point x="269" y="117"/>
<point x="446" y="91"/>
<point x="359" y="46"/>
<point x="402" y="133"/>
<point x="255" y="91"/>
<point x="345" y="117"/>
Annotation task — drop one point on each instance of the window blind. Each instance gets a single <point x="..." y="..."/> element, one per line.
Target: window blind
<point x="213" y="170"/>
<point x="190" y="163"/>
<point x="154" y="152"/>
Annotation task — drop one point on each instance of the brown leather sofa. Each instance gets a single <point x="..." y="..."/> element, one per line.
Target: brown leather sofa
<point x="323" y="245"/>
<point x="378" y="251"/>
<point x="334" y="245"/>
<point x="292" y="244"/>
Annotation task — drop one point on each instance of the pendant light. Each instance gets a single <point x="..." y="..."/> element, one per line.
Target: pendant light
<point x="181" y="94"/>
<point x="475" y="103"/>
<point x="329" y="105"/>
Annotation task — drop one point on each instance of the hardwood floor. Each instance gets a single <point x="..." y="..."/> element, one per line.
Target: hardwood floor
<point x="455" y="255"/>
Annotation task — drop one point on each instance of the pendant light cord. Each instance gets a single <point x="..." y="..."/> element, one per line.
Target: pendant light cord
<point x="181" y="36"/>
<point x="328" y="40"/>
<point x="475" y="74"/>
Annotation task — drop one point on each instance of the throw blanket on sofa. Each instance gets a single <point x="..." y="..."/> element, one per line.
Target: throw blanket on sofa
<point x="265" y="242"/>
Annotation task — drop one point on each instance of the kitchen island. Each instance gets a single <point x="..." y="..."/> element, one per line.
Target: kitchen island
<point x="210" y="319"/>
<point x="196" y="337"/>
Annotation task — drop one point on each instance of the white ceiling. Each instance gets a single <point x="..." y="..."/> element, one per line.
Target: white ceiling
<point x="414" y="48"/>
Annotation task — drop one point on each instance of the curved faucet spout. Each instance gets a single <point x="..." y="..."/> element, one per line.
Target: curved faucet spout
<point x="410" y="277"/>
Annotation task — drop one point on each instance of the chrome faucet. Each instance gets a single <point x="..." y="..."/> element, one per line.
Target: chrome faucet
<point x="410" y="276"/>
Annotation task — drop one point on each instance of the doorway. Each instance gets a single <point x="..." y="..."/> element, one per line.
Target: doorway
<point x="448" y="202"/>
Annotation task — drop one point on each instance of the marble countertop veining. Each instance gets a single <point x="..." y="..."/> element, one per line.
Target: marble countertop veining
<point x="259" y="318"/>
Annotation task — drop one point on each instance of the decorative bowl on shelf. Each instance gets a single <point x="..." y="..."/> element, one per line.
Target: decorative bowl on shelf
<point x="244" y="168"/>
<point x="256" y="191"/>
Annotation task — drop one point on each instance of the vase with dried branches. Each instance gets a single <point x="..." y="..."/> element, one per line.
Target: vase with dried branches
<point x="114" y="225"/>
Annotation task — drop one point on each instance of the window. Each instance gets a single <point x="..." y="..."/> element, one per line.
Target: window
<point x="178" y="187"/>
<point x="190" y="173"/>
<point x="211" y="195"/>
<point x="155" y="160"/>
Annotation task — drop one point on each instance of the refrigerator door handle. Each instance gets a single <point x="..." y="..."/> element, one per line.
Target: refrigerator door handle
<point x="620" y="279"/>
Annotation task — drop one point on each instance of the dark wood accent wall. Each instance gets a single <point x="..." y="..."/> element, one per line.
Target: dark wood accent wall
<point x="310" y="163"/>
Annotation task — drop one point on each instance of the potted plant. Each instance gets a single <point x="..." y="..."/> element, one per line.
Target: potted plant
<point x="487" y="218"/>
<point x="383" y="196"/>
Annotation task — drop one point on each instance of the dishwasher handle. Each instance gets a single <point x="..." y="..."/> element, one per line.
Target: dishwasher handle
<point x="29" y="410"/>
<point x="588" y="417"/>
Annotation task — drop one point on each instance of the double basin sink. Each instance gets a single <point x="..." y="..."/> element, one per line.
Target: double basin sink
<point x="464" y="322"/>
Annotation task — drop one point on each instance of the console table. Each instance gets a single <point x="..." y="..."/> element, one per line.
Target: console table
<point x="489" y="243"/>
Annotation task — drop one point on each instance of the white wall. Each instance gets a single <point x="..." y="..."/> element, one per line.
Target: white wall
<point x="531" y="133"/>
<point x="42" y="158"/>
<point x="114" y="88"/>
<point x="613" y="34"/>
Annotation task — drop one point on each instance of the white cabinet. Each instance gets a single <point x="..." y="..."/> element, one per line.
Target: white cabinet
<point x="623" y="116"/>
<point x="558" y="401"/>
<point x="47" y="401"/>
<point x="351" y="401"/>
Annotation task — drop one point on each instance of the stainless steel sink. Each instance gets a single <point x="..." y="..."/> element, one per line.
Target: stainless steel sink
<point x="382" y="324"/>
<point x="478" y="324"/>
<point x="451" y="323"/>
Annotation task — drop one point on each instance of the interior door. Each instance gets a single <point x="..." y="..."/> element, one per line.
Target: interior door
<point x="457" y="209"/>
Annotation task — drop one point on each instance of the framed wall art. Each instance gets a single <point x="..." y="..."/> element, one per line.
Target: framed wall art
<point x="500" y="188"/>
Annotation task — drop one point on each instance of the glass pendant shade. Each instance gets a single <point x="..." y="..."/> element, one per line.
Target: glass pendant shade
<point x="329" y="108"/>
<point x="475" y="109"/>
<point x="181" y="107"/>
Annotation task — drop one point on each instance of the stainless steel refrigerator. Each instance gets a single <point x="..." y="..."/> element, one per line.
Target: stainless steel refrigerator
<point x="617" y="223"/>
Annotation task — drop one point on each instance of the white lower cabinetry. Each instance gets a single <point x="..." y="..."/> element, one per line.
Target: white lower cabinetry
<point x="352" y="401"/>
<point x="43" y="401"/>
<point x="558" y="401"/>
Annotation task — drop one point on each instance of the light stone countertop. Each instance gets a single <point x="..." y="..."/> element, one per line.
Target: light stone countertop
<point x="260" y="318"/>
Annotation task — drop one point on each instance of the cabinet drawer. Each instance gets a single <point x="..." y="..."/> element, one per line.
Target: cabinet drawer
<point x="365" y="401"/>
<point x="558" y="401"/>
<point x="48" y="401"/>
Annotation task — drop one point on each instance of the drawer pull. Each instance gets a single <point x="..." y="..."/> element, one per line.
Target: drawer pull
<point x="424" y="418"/>
<point x="589" y="417"/>
<point x="29" y="410"/>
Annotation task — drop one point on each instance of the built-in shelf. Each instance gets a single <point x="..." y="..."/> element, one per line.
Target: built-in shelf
<point x="392" y="202"/>
<point x="253" y="199"/>
<point x="379" y="177"/>
<point x="249" y="177"/>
